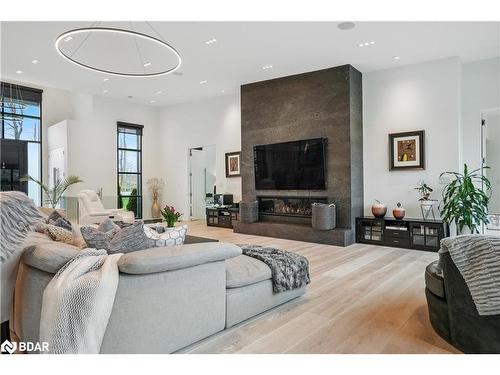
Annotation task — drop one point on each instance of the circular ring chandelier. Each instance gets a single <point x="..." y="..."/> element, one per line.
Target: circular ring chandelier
<point x="131" y="33"/>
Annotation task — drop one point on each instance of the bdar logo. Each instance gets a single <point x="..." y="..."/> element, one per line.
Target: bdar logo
<point x="8" y="347"/>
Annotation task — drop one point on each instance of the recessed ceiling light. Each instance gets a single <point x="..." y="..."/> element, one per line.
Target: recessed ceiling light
<point x="147" y="64"/>
<point x="105" y="91"/>
<point x="34" y="61"/>
<point x="366" y="44"/>
<point x="158" y="92"/>
<point x="203" y="82"/>
<point x="19" y="71"/>
<point x="68" y="38"/>
<point x="152" y="101"/>
<point x="346" y="25"/>
<point x="223" y="91"/>
<point x="105" y="80"/>
<point x="395" y="57"/>
<point x="210" y="41"/>
<point x="265" y="67"/>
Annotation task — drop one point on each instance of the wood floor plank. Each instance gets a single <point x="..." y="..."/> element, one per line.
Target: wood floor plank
<point x="362" y="299"/>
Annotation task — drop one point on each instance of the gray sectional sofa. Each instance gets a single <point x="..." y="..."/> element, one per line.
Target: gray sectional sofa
<point x="167" y="298"/>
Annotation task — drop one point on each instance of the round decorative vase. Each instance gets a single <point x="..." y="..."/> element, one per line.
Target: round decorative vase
<point x="379" y="210"/>
<point x="155" y="209"/>
<point x="399" y="212"/>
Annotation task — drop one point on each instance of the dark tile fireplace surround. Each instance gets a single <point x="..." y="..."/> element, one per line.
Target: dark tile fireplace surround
<point x="320" y="104"/>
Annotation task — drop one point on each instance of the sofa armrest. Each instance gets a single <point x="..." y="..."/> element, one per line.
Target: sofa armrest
<point x="161" y="259"/>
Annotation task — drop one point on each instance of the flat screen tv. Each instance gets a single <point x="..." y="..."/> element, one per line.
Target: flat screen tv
<point x="297" y="165"/>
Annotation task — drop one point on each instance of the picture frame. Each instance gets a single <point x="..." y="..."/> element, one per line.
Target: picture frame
<point x="407" y="150"/>
<point x="233" y="165"/>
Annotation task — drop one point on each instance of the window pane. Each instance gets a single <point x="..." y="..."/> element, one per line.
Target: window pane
<point x="22" y="128"/>
<point x="129" y="161"/>
<point x="21" y="107"/>
<point x="129" y="184"/>
<point x="34" y="171"/>
<point x="126" y="140"/>
<point x="131" y="204"/>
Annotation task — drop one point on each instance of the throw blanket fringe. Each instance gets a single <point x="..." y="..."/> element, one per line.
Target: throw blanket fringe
<point x="477" y="257"/>
<point x="289" y="270"/>
<point x="77" y="303"/>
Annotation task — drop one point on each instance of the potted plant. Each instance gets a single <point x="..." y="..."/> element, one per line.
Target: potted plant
<point x="54" y="195"/>
<point x="465" y="200"/>
<point x="426" y="203"/>
<point x="170" y="215"/>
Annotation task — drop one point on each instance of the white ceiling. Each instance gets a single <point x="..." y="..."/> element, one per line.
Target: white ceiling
<point x="242" y="48"/>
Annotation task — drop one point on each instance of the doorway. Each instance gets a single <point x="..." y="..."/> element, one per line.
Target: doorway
<point x="201" y="172"/>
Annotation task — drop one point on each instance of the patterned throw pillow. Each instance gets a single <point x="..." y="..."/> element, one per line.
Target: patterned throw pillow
<point x="95" y="238"/>
<point x="108" y="225"/>
<point x="170" y="237"/>
<point x="131" y="238"/>
<point x="55" y="218"/>
<point x="56" y="233"/>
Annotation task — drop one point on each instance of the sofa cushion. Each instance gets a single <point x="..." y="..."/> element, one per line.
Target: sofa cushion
<point x="46" y="255"/>
<point x="169" y="258"/>
<point x="131" y="238"/>
<point x="244" y="270"/>
<point x="434" y="281"/>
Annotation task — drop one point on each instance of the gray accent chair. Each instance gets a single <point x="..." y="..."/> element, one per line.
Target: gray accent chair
<point x="167" y="298"/>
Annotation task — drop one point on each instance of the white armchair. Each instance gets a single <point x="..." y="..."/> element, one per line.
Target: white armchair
<point x="92" y="211"/>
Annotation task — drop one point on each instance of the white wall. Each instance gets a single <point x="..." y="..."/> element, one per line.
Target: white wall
<point x="416" y="97"/>
<point x="481" y="91"/>
<point x="216" y="121"/>
<point x="92" y="144"/>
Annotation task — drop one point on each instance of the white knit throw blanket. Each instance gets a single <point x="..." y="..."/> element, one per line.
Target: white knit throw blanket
<point x="477" y="257"/>
<point x="77" y="303"/>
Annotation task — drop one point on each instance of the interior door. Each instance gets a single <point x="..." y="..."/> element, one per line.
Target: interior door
<point x="197" y="182"/>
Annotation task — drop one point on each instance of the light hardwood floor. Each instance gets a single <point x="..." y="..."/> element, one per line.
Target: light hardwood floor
<point x="362" y="299"/>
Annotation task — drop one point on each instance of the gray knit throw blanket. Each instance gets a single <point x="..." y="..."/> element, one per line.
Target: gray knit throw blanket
<point x="289" y="270"/>
<point x="18" y="214"/>
<point x="477" y="257"/>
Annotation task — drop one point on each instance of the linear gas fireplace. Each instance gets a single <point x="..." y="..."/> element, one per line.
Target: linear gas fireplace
<point x="288" y="206"/>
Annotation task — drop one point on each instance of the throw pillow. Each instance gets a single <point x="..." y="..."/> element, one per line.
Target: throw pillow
<point x="108" y="225"/>
<point x="55" y="218"/>
<point x="78" y="239"/>
<point x="95" y="238"/>
<point x="131" y="238"/>
<point x="56" y="233"/>
<point x="170" y="237"/>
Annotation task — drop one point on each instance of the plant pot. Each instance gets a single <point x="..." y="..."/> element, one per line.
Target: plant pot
<point x="399" y="213"/>
<point x="379" y="210"/>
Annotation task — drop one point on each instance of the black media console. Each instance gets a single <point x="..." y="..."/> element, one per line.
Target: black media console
<point x="407" y="233"/>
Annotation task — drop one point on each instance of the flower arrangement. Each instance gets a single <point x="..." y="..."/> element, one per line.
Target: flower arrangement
<point x="155" y="186"/>
<point x="170" y="215"/>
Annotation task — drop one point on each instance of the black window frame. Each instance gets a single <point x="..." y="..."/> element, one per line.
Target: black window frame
<point x="35" y="95"/>
<point x="139" y="132"/>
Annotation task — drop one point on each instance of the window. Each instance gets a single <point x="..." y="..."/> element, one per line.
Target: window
<point x="129" y="167"/>
<point x="21" y="120"/>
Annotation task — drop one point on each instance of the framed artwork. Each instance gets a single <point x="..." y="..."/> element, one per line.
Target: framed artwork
<point x="406" y="150"/>
<point x="233" y="164"/>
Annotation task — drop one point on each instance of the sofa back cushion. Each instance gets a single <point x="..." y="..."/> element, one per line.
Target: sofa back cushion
<point x="44" y="254"/>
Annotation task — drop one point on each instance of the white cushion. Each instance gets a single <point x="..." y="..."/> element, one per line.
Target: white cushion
<point x="171" y="236"/>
